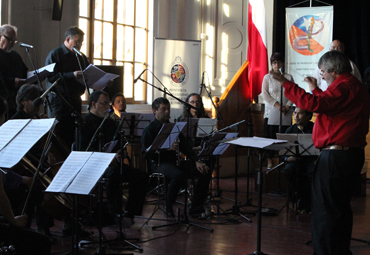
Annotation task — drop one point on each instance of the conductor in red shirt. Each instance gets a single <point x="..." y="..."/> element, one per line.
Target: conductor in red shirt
<point x="340" y="133"/>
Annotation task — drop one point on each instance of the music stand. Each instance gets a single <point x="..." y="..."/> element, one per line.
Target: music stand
<point x="133" y="126"/>
<point x="262" y="144"/>
<point x="79" y="175"/>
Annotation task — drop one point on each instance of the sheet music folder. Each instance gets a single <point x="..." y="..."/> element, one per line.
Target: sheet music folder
<point x="17" y="137"/>
<point x="306" y="147"/>
<point x="166" y="136"/>
<point x="80" y="172"/>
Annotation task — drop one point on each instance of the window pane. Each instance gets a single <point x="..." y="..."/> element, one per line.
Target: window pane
<point x="139" y="86"/>
<point x="125" y="12"/>
<point x="107" y="40"/>
<point x="107" y="63"/>
<point x="140" y="45"/>
<point x="83" y="25"/>
<point x="98" y="9"/>
<point x="128" y="80"/>
<point x="108" y="10"/>
<point x="84" y="8"/>
<point x="97" y="39"/>
<point x="128" y="54"/>
<point x="97" y="62"/>
<point x="120" y="43"/>
<point x="141" y="13"/>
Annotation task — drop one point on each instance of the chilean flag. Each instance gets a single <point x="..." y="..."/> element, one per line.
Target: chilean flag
<point x="257" y="47"/>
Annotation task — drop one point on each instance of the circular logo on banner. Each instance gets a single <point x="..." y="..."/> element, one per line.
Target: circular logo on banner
<point x="179" y="72"/>
<point x="304" y="33"/>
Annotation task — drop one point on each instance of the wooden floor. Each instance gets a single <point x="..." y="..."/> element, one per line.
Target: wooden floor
<point x="284" y="233"/>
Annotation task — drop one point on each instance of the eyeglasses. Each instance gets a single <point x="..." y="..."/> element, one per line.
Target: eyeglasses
<point x="78" y="42"/>
<point x="277" y="62"/>
<point x="14" y="40"/>
<point x="105" y="103"/>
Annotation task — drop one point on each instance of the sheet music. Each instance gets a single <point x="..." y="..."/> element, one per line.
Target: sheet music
<point x="258" y="142"/>
<point x="205" y="126"/>
<point x="306" y="147"/>
<point x="274" y="117"/>
<point x="166" y="136"/>
<point x="90" y="173"/>
<point x="12" y="153"/>
<point x="10" y="129"/>
<point x="69" y="170"/>
<point x="42" y="72"/>
<point x="222" y="147"/>
<point x="80" y="172"/>
<point x="175" y="132"/>
<point x="96" y="78"/>
<point x="210" y="145"/>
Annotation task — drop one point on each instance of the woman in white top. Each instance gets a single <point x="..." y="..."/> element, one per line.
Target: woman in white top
<point x="271" y="94"/>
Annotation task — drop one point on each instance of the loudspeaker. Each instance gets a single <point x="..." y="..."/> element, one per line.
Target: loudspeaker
<point x="57" y="10"/>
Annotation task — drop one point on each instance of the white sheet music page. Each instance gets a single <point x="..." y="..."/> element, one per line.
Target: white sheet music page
<point x="255" y="142"/>
<point x="274" y="117"/>
<point x="10" y="129"/>
<point x="175" y="132"/>
<point x="23" y="141"/>
<point x="90" y="173"/>
<point x="69" y="170"/>
<point x="205" y="126"/>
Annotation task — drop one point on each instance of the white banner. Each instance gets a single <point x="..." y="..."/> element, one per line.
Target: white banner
<point x="309" y="32"/>
<point x="176" y="64"/>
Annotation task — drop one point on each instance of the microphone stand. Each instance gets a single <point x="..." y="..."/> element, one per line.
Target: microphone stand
<point x="219" y="116"/>
<point x="185" y="218"/>
<point x="38" y="80"/>
<point x="83" y="75"/>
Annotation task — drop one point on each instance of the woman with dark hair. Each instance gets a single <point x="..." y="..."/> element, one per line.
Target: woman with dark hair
<point x="271" y="90"/>
<point x="195" y="100"/>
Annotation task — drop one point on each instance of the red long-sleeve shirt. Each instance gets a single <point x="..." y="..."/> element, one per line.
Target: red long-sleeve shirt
<point x="343" y="111"/>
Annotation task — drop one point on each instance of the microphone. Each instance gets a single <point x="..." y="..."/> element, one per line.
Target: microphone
<point x="25" y="45"/>
<point x="38" y="101"/>
<point x="202" y="83"/>
<point x="281" y="70"/>
<point x="139" y="76"/>
<point x="77" y="51"/>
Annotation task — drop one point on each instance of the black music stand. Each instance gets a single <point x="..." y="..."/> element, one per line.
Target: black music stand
<point x="262" y="144"/>
<point x="79" y="175"/>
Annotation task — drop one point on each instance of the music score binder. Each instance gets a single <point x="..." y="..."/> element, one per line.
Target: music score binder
<point x="17" y="137"/>
<point x="80" y="172"/>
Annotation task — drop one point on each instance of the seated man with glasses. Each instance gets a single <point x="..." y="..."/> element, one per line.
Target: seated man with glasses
<point x="99" y="105"/>
<point x="68" y="69"/>
<point x="13" y="71"/>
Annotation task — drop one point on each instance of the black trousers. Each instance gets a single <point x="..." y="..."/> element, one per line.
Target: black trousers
<point x="138" y="187"/>
<point x="24" y="240"/>
<point x="333" y="182"/>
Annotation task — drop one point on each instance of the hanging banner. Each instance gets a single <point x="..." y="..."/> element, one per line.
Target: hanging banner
<point x="309" y="32"/>
<point x="176" y="65"/>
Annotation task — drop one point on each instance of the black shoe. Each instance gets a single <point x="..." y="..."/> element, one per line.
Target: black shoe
<point x="196" y="211"/>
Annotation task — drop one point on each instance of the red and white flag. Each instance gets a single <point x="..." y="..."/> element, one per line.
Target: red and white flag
<point x="257" y="46"/>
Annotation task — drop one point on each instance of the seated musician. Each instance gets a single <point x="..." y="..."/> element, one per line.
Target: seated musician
<point x="299" y="171"/>
<point x="202" y="187"/>
<point x="13" y="231"/>
<point x="118" y="106"/>
<point x="99" y="105"/>
<point x="25" y="110"/>
<point x="168" y="158"/>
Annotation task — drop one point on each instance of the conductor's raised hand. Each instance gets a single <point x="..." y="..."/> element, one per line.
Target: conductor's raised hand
<point x="312" y="82"/>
